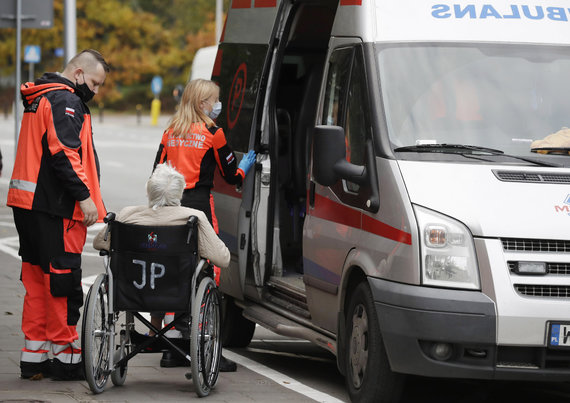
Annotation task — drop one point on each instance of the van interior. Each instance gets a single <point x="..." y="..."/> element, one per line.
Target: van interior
<point x="295" y="96"/>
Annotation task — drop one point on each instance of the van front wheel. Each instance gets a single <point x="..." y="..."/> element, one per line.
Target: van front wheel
<point x="368" y="374"/>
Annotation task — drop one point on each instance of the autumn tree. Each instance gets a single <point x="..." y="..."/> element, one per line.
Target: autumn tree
<point x="139" y="39"/>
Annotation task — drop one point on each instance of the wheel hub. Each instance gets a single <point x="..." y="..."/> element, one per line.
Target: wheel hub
<point x="359" y="345"/>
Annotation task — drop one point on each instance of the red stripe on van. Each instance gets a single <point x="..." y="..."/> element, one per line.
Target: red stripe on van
<point x="241" y="4"/>
<point x="328" y="209"/>
<point x="350" y="2"/>
<point x="217" y="64"/>
<point x="376" y="227"/>
<point x="265" y="3"/>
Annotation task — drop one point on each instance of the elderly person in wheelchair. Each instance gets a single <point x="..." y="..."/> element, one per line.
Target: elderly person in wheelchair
<point x="164" y="191"/>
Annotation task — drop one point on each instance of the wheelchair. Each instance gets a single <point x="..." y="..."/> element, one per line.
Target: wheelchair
<point x="150" y="269"/>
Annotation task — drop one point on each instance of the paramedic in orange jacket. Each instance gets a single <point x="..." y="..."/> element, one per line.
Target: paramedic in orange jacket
<point x="195" y="146"/>
<point x="55" y="196"/>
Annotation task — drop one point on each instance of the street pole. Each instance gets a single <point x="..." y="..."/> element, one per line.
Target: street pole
<point x="70" y="30"/>
<point x="31" y="72"/>
<point x="219" y="10"/>
<point x="18" y="72"/>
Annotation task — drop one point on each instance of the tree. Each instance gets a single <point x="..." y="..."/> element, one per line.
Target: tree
<point x="139" y="39"/>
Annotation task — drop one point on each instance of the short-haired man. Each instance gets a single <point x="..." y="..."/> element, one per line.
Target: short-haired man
<point x="55" y="196"/>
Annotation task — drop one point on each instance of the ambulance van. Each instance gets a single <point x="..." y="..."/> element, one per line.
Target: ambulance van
<point x="409" y="210"/>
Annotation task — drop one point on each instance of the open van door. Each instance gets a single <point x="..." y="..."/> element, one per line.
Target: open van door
<point x="241" y="69"/>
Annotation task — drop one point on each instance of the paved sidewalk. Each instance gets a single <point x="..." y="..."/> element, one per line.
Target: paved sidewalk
<point x="146" y="380"/>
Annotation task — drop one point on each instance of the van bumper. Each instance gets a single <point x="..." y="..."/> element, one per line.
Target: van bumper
<point x="417" y="321"/>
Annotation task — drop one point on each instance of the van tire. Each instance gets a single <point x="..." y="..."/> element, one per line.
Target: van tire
<point x="237" y="331"/>
<point x="367" y="371"/>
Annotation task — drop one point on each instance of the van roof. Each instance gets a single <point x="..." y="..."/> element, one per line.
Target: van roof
<point x="457" y="21"/>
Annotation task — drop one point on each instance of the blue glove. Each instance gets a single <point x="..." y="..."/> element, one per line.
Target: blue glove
<point x="247" y="161"/>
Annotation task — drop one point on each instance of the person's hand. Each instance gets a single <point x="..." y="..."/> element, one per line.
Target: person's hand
<point x="89" y="211"/>
<point x="247" y="161"/>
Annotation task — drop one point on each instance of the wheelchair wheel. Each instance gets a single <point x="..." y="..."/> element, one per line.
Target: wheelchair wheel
<point x="206" y="344"/>
<point x="119" y="374"/>
<point x="96" y="350"/>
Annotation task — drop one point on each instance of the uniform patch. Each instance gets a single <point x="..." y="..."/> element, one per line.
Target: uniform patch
<point x="230" y="158"/>
<point x="70" y="111"/>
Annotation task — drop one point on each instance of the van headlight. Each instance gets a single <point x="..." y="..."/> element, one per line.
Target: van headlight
<point x="447" y="251"/>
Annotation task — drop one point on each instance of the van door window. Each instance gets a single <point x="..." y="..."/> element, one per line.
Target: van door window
<point x="335" y="97"/>
<point x="357" y="125"/>
<point x="346" y="105"/>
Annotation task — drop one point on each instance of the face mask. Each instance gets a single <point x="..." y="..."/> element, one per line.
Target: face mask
<point x="83" y="91"/>
<point x="216" y="109"/>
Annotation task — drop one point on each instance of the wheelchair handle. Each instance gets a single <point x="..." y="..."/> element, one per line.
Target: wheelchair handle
<point x="109" y="217"/>
<point x="192" y="220"/>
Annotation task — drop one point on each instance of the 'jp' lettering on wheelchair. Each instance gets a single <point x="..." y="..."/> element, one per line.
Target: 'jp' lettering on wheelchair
<point x="153" y="273"/>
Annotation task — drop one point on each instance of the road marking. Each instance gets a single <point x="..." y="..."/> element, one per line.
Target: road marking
<point x="10" y="246"/>
<point x="281" y="379"/>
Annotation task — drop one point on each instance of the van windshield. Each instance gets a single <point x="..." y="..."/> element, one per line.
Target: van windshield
<point x="507" y="98"/>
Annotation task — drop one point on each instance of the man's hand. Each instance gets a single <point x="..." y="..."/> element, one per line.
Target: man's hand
<point x="90" y="211"/>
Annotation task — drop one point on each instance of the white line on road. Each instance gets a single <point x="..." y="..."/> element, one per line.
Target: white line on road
<point x="280" y="378"/>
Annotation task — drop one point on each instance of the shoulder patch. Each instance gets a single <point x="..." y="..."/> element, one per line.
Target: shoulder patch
<point x="70" y="111"/>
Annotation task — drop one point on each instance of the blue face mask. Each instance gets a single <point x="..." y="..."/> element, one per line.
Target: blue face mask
<point x="216" y="109"/>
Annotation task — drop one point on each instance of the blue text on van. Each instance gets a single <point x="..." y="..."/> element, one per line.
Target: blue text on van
<point x="473" y="11"/>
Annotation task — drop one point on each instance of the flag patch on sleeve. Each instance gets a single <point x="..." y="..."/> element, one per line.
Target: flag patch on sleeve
<point x="230" y="158"/>
<point x="70" y="111"/>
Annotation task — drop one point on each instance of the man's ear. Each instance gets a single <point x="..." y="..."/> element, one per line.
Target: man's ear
<point x="78" y="74"/>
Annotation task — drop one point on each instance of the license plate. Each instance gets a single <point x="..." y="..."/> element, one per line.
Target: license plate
<point x="559" y="335"/>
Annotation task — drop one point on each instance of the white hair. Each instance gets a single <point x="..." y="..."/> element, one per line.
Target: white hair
<point x="165" y="187"/>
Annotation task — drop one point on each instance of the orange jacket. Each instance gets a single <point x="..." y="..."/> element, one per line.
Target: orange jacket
<point x="196" y="155"/>
<point x="56" y="163"/>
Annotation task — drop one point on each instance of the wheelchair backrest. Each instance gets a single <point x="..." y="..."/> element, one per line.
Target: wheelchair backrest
<point x="152" y="266"/>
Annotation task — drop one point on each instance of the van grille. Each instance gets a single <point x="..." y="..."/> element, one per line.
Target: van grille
<point x="536" y="245"/>
<point x="551" y="268"/>
<point x="553" y="291"/>
<point x="531" y="177"/>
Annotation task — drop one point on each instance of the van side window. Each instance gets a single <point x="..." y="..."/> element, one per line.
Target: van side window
<point x="357" y="125"/>
<point x="335" y="97"/>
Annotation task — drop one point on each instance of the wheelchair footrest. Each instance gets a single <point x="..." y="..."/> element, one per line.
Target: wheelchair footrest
<point x="158" y="345"/>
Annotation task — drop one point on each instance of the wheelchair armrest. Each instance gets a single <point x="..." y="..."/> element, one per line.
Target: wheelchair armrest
<point x="103" y="252"/>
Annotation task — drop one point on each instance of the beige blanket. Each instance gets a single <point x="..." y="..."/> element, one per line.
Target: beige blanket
<point x="560" y="139"/>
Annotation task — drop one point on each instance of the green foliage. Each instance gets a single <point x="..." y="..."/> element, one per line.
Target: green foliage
<point x="139" y="39"/>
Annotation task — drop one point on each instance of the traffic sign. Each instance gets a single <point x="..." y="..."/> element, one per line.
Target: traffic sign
<point x="35" y="14"/>
<point x="32" y="54"/>
<point x="156" y="85"/>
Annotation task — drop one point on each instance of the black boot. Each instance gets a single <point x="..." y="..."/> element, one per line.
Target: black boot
<point x="171" y="360"/>
<point x="35" y="370"/>
<point x="227" y="365"/>
<point x="66" y="372"/>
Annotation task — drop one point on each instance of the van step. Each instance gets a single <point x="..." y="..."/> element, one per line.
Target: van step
<point x="286" y="327"/>
<point x="286" y="293"/>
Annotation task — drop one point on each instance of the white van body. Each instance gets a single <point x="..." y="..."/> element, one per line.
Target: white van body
<point x="397" y="215"/>
<point x="203" y="63"/>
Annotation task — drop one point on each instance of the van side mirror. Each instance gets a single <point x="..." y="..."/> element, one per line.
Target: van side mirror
<point x="329" y="158"/>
